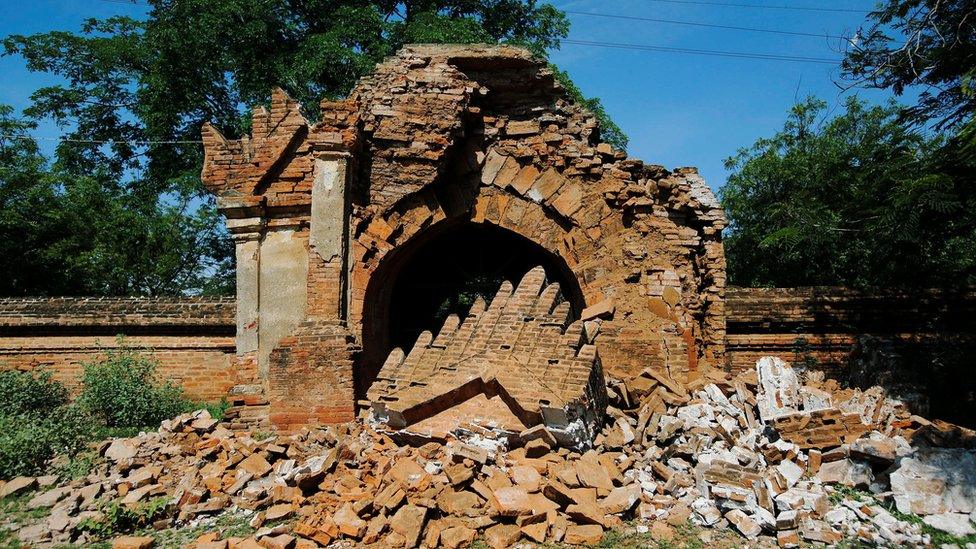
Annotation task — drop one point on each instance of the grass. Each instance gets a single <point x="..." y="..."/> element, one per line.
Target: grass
<point x="14" y="510"/>
<point x="841" y="492"/>
<point x="229" y="524"/>
<point x="685" y="537"/>
<point x="78" y="466"/>
<point x="939" y="537"/>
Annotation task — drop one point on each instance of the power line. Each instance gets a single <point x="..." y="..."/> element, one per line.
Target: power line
<point x="100" y="141"/>
<point x="718" y="53"/>
<point x="127" y="2"/>
<point x="759" y="6"/>
<point x="708" y="25"/>
<point x="685" y="2"/>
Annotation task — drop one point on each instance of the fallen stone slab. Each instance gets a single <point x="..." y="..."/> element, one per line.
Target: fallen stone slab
<point x="133" y="542"/>
<point x="779" y="388"/>
<point x="121" y="449"/>
<point x="17" y="485"/>
<point x="846" y="472"/>
<point x="935" y="481"/>
<point x="957" y="524"/>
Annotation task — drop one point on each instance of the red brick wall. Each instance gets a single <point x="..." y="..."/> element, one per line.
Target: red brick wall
<point x="310" y="376"/>
<point x="918" y="345"/>
<point x="822" y="324"/>
<point x="193" y="338"/>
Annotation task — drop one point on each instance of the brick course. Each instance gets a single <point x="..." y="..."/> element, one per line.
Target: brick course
<point x="821" y="325"/>
<point x="520" y="352"/>
<point x="193" y="338"/>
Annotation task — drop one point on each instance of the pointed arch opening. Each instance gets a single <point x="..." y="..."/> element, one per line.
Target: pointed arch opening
<point x="441" y="271"/>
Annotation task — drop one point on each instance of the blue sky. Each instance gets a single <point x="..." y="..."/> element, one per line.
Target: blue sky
<point x="677" y="109"/>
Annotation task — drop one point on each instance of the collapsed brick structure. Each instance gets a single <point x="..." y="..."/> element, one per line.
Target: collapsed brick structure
<point x="709" y="456"/>
<point x="513" y="362"/>
<point x="440" y="139"/>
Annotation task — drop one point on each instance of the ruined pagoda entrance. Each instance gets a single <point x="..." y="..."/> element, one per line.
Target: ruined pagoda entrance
<point x="449" y="169"/>
<point x="440" y="272"/>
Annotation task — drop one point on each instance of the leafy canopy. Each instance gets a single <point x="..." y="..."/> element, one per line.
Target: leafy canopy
<point x="930" y="43"/>
<point x="68" y="233"/>
<point x="129" y="81"/>
<point x="860" y="199"/>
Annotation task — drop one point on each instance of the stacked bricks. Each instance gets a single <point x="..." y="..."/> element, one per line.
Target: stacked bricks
<point x="310" y="376"/>
<point x="521" y="346"/>
<point x="821" y="326"/>
<point x="820" y="428"/>
<point x="274" y="163"/>
<point x="172" y="313"/>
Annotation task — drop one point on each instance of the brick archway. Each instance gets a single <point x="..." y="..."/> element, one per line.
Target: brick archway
<point x="437" y="263"/>
<point x="443" y="134"/>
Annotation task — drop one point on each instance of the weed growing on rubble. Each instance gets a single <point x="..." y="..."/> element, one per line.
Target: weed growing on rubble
<point x="13" y="510"/>
<point x="852" y="543"/>
<point x="685" y="537"/>
<point x="840" y="492"/>
<point x="216" y="409"/>
<point x="232" y="524"/>
<point x="77" y="466"/>
<point x="939" y="537"/>
<point x="116" y="518"/>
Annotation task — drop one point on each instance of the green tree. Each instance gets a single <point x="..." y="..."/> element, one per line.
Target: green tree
<point x="927" y="43"/>
<point x="145" y="86"/>
<point x="860" y="199"/>
<point x="65" y="233"/>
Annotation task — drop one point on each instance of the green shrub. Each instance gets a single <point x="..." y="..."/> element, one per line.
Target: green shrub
<point x="120" y="396"/>
<point x="28" y="441"/>
<point x="123" y="391"/>
<point x="30" y="393"/>
<point x="216" y="409"/>
<point x="36" y="423"/>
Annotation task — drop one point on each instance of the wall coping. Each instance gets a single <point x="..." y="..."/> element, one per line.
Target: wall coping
<point x="54" y="312"/>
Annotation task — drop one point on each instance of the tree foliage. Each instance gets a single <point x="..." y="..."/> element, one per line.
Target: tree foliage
<point x="68" y="233"/>
<point x="931" y="43"/>
<point x="860" y="199"/>
<point x="130" y="81"/>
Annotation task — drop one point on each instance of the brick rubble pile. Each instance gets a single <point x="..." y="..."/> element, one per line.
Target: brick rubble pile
<point x="758" y="453"/>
